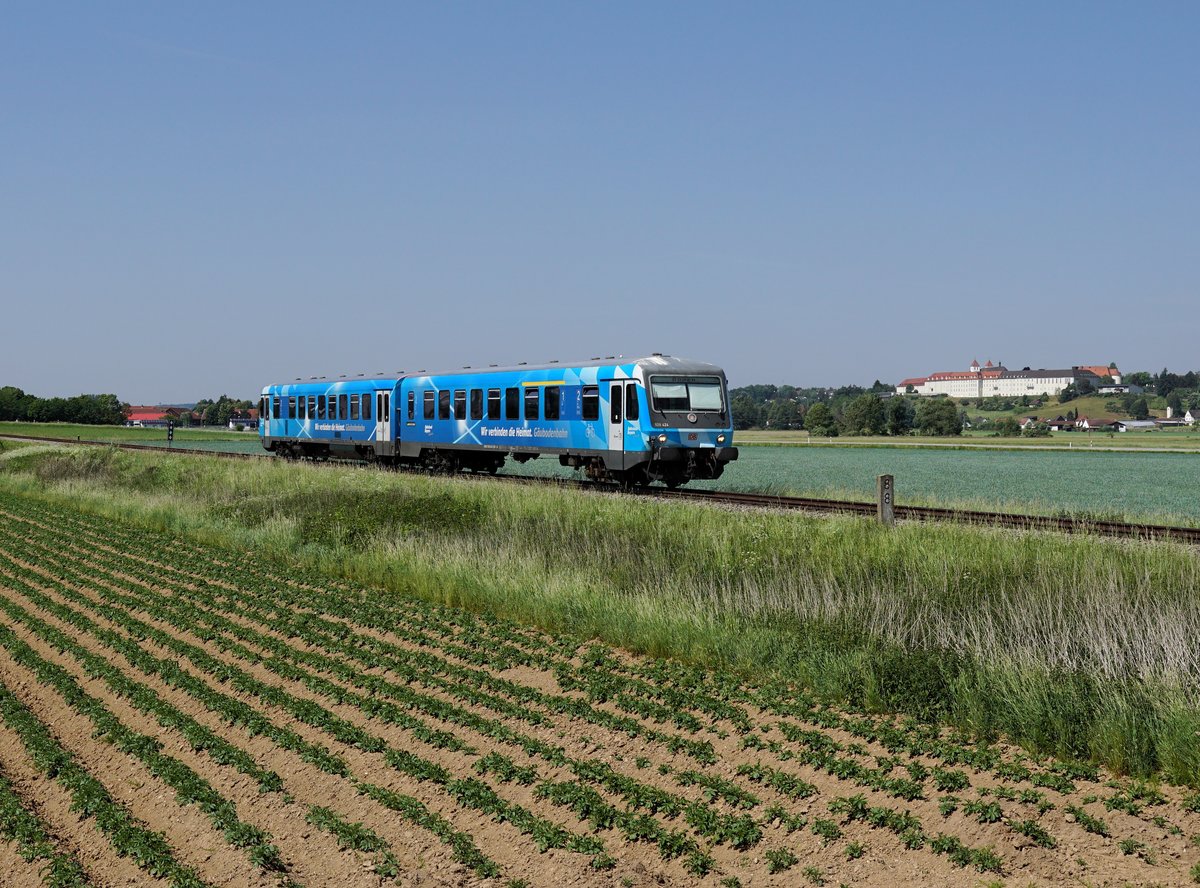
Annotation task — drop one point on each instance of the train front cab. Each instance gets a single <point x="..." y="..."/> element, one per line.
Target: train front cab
<point x="689" y="426"/>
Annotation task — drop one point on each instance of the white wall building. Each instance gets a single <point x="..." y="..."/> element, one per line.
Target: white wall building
<point x="991" y="380"/>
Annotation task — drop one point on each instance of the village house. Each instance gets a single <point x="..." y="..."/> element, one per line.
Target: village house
<point x="152" y="417"/>
<point x="247" y="419"/>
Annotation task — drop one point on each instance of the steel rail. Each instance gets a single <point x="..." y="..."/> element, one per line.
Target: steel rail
<point x="1061" y="524"/>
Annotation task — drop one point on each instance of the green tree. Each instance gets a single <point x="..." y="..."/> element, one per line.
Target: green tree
<point x="783" y="415"/>
<point x="13" y="404"/>
<point x="819" y="421"/>
<point x="864" y="416"/>
<point x="745" y="412"/>
<point x="1140" y="409"/>
<point x="898" y="416"/>
<point x="939" y="416"/>
<point x="1008" y="427"/>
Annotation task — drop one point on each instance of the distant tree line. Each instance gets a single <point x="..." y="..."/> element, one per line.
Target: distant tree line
<point x="217" y="412"/>
<point x="17" y="406"/>
<point x="848" y="410"/>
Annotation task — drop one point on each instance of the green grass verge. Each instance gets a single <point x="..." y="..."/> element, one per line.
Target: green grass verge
<point x="1078" y="646"/>
<point x="121" y="434"/>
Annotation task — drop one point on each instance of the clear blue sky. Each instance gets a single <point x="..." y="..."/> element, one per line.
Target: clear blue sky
<point x="202" y="198"/>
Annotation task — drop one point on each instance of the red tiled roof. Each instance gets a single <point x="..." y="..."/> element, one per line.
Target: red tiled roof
<point x="141" y="414"/>
<point x="915" y="381"/>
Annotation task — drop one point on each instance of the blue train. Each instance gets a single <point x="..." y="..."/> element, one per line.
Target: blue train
<point x="657" y="418"/>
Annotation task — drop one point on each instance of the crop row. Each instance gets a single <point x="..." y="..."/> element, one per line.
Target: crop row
<point x="127" y="836"/>
<point x="559" y="791"/>
<point x="716" y="827"/>
<point x="190" y="788"/>
<point x="905" y="740"/>
<point x="470" y="793"/>
<point x="30" y="835"/>
<point x="477" y="648"/>
<point x="236" y="712"/>
<point x="907" y="788"/>
<point x="661" y="690"/>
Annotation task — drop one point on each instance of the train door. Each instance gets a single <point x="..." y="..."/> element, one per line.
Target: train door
<point x="616" y="425"/>
<point x="383" y="417"/>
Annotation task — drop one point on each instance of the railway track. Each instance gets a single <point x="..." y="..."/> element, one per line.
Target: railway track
<point x="1126" y="530"/>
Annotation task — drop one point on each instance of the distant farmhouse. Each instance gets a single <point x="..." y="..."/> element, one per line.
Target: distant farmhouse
<point x="152" y="417"/>
<point x="994" y="380"/>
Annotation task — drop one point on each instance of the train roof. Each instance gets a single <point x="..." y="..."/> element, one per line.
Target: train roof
<point x="653" y="362"/>
<point x="650" y="362"/>
<point x="366" y="382"/>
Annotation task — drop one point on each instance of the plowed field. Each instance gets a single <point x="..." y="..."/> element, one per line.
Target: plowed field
<point x="176" y="714"/>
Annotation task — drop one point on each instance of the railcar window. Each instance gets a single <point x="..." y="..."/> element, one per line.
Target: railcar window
<point x="430" y="398"/>
<point x="460" y="404"/>
<point x="333" y="414"/>
<point x="291" y="408"/>
<point x="262" y="407"/>
<point x="512" y="403"/>
<point x="686" y="393"/>
<point x="412" y="406"/>
<point x="320" y="406"/>
<point x="591" y="402"/>
<point x="312" y="406"/>
<point x="552" y="402"/>
<point x="342" y="414"/>
<point x="493" y="404"/>
<point x="614" y="396"/>
<point x="301" y="412"/>
<point x="631" y="401"/>
<point x="531" y="402"/>
<point x="275" y="408"/>
<point x="354" y="406"/>
<point x="476" y="403"/>
<point x="444" y="404"/>
<point x="387" y="406"/>
<point x="366" y="405"/>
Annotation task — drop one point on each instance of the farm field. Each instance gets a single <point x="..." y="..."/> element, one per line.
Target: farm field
<point x="1142" y="486"/>
<point x="1182" y="439"/>
<point x="224" y="720"/>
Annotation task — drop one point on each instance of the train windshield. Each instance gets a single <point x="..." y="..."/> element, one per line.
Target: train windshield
<point x="687" y="394"/>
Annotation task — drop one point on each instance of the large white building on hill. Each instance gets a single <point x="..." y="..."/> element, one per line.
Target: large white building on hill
<point x="993" y="380"/>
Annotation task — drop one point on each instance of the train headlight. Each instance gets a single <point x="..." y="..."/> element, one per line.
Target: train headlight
<point x="662" y="439"/>
<point x="720" y="439"/>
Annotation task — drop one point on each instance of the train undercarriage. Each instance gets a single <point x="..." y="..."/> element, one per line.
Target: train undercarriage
<point x="669" y="466"/>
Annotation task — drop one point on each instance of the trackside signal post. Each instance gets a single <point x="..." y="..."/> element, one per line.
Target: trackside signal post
<point x="885" y="489"/>
<point x="170" y="432"/>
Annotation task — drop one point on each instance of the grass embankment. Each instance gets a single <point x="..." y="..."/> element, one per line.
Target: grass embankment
<point x="1077" y="646"/>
